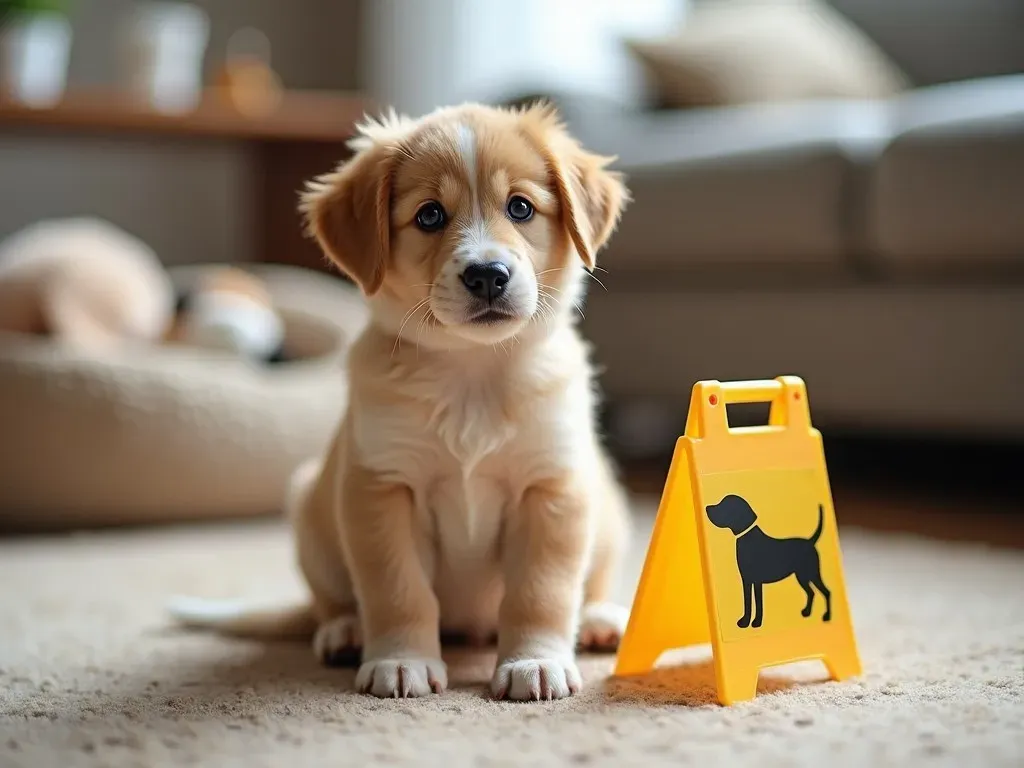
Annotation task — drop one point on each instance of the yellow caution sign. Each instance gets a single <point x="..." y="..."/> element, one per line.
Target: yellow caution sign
<point x="745" y="552"/>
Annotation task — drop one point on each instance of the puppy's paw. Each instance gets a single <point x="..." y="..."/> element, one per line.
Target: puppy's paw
<point x="602" y="626"/>
<point x="535" y="679"/>
<point x="402" y="678"/>
<point x="337" y="642"/>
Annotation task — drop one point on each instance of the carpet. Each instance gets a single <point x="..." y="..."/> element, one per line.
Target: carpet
<point x="92" y="675"/>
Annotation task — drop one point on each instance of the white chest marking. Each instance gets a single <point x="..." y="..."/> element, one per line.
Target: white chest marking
<point x="468" y="420"/>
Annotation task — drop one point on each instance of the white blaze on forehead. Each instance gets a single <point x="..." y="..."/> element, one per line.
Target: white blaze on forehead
<point x="467" y="151"/>
<point x="475" y="239"/>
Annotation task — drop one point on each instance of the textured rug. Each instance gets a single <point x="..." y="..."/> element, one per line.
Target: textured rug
<point x="91" y="674"/>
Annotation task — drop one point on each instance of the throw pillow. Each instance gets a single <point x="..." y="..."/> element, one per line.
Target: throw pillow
<point x="745" y="51"/>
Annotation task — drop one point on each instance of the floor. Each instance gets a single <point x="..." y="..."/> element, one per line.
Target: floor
<point x="91" y="674"/>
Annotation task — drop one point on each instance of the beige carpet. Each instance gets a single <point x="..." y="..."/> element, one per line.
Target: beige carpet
<point x="90" y="674"/>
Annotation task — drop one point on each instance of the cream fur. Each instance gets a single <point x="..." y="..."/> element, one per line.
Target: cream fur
<point x="466" y="490"/>
<point x="83" y="282"/>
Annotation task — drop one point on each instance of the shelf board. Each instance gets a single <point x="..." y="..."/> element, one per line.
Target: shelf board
<point x="303" y="116"/>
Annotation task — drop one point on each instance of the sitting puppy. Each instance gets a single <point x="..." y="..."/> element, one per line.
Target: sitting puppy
<point x="762" y="559"/>
<point x="466" y="489"/>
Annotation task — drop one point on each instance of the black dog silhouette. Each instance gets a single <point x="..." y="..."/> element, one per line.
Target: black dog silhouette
<point x="762" y="559"/>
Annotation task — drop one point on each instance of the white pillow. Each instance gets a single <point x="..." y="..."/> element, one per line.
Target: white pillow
<point x="745" y="51"/>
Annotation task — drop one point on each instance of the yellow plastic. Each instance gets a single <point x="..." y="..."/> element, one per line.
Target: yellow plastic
<point x="691" y="591"/>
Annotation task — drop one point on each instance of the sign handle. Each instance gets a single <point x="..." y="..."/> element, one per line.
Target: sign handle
<point x="708" y="416"/>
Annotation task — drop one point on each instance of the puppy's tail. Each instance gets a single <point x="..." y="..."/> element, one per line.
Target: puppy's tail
<point x="240" y="618"/>
<point x="821" y="524"/>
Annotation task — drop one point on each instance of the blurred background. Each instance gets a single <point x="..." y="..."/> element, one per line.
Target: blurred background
<point x="829" y="189"/>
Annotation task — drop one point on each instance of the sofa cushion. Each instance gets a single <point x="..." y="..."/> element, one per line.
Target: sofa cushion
<point x="923" y="358"/>
<point x="949" y="187"/>
<point x="744" y="51"/>
<point x="761" y="185"/>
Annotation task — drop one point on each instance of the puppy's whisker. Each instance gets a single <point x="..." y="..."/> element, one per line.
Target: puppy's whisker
<point x="548" y="299"/>
<point x="427" y="317"/>
<point x="594" y="277"/>
<point x="585" y="272"/>
<point x="503" y="348"/>
<point x="545" y="308"/>
<point x="405" y="321"/>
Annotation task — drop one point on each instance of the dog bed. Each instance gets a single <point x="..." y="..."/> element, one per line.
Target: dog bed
<point x="166" y="434"/>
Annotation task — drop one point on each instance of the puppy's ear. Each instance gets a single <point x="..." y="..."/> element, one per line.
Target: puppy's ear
<point x="348" y="211"/>
<point x="591" y="196"/>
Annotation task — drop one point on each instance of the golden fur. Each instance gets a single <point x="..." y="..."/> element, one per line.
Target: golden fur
<point x="466" y="490"/>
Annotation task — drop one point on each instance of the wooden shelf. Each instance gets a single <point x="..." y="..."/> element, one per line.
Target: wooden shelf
<point x="302" y="116"/>
<point x="303" y="137"/>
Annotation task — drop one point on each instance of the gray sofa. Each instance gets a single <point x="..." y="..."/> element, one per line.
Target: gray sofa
<point x="874" y="248"/>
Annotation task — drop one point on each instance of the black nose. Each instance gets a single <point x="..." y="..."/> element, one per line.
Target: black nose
<point x="486" y="281"/>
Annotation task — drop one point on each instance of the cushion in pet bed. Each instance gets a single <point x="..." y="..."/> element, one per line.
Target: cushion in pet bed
<point x="167" y="434"/>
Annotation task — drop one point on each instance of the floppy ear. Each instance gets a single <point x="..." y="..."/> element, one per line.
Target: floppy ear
<point x="348" y="211"/>
<point x="591" y="196"/>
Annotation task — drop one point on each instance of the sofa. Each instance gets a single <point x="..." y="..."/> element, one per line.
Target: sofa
<point x="873" y="246"/>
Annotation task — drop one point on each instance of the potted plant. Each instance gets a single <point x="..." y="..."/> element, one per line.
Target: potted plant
<point x="35" y="45"/>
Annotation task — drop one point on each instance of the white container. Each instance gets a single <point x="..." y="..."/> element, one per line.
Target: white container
<point x="165" y="43"/>
<point x="34" y="53"/>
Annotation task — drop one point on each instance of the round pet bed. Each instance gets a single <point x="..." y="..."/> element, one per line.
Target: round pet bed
<point x="166" y="434"/>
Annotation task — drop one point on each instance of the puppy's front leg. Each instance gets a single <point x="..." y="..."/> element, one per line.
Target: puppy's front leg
<point x="398" y="608"/>
<point x="546" y="541"/>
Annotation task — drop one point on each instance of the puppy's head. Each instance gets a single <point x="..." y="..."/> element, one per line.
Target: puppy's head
<point x="732" y="512"/>
<point x="469" y="224"/>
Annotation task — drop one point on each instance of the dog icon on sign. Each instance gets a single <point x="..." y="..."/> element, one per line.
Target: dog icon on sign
<point x="762" y="559"/>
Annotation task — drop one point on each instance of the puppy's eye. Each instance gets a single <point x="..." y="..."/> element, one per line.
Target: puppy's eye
<point x="519" y="209"/>
<point x="430" y="217"/>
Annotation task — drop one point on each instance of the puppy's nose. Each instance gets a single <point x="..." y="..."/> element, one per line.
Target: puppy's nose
<point x="486" y="281"/>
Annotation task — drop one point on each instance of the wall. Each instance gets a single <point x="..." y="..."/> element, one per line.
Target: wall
<point x="937" y="41"/>
<point x="187" y="200"/>
<point x="422" y="55"/>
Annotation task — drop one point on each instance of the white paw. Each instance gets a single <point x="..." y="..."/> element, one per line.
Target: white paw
<point x="535" y="679"/>
<point x="602" y="626"/>
<point x="338" y="640"/>
<point x="402" y="678"/>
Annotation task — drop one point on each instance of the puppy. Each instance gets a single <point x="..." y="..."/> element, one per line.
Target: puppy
<point x="466" y="490"/>
<point x="762" y="559"/>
